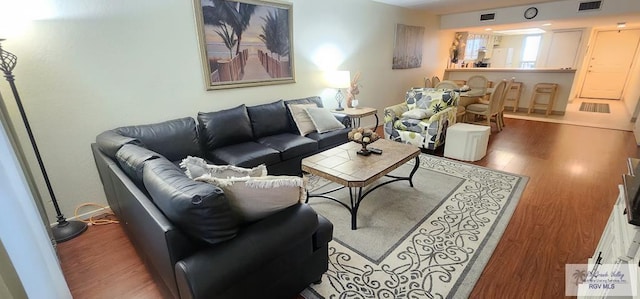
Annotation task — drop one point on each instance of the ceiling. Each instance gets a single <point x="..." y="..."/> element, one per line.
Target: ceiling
<point x="443" y="7"/>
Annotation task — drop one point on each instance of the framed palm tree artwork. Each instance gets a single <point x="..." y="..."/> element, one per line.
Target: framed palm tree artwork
<point x="245" y="42"/>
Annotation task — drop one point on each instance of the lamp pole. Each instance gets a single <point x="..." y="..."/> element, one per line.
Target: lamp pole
<point x="64" y="230"/>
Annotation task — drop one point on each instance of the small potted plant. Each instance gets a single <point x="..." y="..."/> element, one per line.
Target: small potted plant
<point x="354" y="90"/>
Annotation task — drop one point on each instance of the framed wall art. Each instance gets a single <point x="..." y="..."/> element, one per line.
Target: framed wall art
<point x="407" y="53"/>
<point x="245" y="42"/>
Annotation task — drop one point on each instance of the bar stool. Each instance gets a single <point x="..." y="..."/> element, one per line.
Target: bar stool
<point x="513" y="95"/>
<point x="542" y="89"/>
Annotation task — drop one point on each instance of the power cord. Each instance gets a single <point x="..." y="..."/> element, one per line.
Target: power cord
<point x="105" y="218"/>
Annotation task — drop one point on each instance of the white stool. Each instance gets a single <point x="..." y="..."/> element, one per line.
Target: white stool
<point x="466" y="142"/>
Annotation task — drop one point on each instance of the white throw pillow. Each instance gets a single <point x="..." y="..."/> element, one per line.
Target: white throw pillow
<point x="418" y="114"/>
<point x="254" y="198"/>
<point x="323" y="120"/>
<point x="196" y="167"/>
<point x="301" y="117"/>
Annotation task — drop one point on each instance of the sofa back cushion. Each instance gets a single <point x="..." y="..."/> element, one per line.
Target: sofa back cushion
<point x="173" y="139"/>
<point x="199" y="209"/>
<point x="224" y="127"/>
<point x="430" y="99"/>
<point x="269" y="119"/>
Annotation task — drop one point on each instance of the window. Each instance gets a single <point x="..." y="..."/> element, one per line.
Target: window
<point x="475" y="42"/>
<point x="530" y="52"/>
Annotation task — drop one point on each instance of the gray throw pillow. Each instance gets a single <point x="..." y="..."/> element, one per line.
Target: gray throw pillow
<point x="323" y="120"/>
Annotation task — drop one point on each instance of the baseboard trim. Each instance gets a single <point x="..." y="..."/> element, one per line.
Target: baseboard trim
<point x="85" y="216"/>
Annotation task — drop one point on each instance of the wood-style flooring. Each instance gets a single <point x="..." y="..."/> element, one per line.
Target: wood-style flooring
<point x="573" y="176"/>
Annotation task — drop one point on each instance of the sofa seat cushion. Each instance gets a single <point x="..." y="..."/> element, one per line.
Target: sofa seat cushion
<point x="290" y="145"/>
<point x="330" y="139"/>
<point x="269" y="119"/>
<point x="173" y="139"/>
<point x="225" y="127"/>
<point x="199" y="209"/>
<point x="247" y="154"/>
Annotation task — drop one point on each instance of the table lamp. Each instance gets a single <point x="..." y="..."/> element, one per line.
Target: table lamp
<point x="339" y="80"/>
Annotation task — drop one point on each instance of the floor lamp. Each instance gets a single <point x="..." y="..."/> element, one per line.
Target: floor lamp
<point x="64" y="230"/>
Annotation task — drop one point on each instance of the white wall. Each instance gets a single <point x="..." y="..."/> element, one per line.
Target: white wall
<point x="91" y="66"/>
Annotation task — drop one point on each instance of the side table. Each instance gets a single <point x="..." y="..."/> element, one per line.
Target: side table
<point x="357" y="113"/>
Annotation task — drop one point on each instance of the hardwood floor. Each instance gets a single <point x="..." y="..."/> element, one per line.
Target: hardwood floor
<point x="573" y="176"/>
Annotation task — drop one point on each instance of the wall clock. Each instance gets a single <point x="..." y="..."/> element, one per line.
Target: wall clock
<point x="530" y="13"/>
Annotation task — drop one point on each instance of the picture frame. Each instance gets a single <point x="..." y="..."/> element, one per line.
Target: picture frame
<point x="245" y="42"/>
<point x="407" y="52"/>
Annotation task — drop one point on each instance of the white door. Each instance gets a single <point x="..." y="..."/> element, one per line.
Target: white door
<point x="611" y="59"/>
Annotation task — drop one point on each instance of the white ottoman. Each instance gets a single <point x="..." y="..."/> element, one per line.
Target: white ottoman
<point x="466" y="142"/>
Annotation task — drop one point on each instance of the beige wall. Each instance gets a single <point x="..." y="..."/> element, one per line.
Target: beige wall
<point x="89" y="66"/>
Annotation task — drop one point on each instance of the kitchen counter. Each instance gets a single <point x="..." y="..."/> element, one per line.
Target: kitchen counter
<point x="529" y="77"/>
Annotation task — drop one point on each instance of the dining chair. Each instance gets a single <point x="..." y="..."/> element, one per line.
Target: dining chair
<point x="503" y="100"/>
<point x="478" y="85"/>
<point x="490" y="111"/>
<point x="427" y="82"/>
<point x="434" y="81"/>
<point x="446" y="84"/>
<point x="460" y="82"/>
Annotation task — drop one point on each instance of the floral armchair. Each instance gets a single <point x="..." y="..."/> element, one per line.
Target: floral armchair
<point x="422" y="120"/>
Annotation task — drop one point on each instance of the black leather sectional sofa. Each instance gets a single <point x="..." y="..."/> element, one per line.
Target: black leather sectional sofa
<point x="185" y="231"/>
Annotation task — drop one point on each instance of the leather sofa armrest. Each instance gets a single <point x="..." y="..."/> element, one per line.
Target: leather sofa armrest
<point x="213" y="269"/>
<point x="324" y="234"/>
<point x="110" y="142"/>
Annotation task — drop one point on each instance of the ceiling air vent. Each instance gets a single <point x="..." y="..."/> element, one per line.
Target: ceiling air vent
<point x="591" y="5"/>
<point x="487" y="17"/>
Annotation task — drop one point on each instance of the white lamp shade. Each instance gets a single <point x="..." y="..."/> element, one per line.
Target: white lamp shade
<point x="338" y="79"/>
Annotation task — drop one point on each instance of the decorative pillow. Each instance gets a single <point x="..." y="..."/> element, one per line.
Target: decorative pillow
<point x="418" y="113"/>
<point x="196" y="167"/>
<point x="253" y="198"/>
<point x="323" y="120"/>
<point x="416" y="98"/>
<point x="301" y="117"/>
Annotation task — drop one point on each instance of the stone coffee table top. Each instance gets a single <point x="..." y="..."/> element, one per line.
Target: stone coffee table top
<point x="344" y="166"/>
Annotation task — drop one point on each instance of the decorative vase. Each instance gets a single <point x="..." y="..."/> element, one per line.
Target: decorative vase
<point x="354" y="103"/>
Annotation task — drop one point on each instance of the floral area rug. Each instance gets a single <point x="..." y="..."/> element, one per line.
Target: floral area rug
<point x="429" y="241"/>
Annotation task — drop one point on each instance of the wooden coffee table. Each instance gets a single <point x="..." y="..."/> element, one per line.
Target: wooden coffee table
<point x="343" y="166"/>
